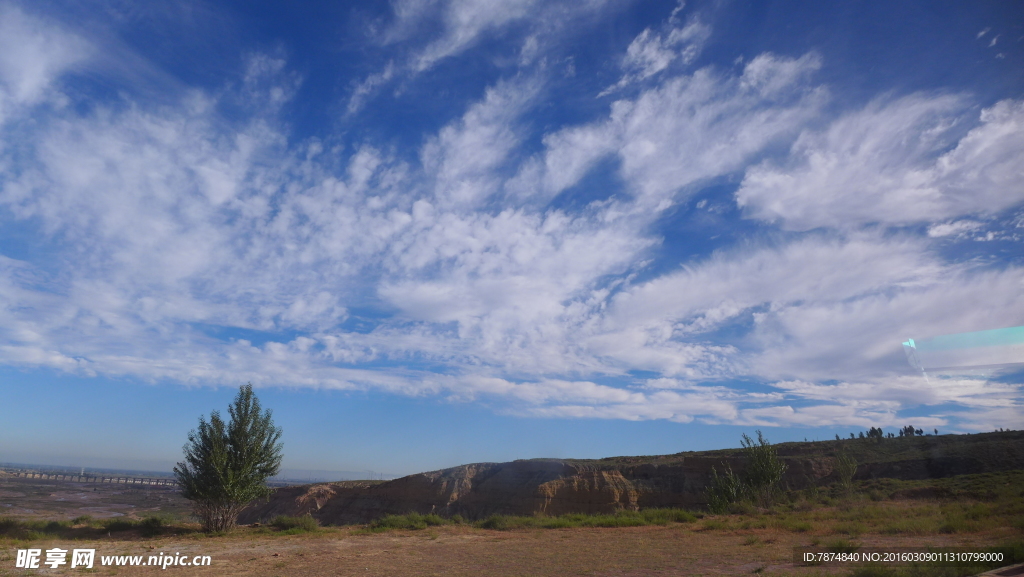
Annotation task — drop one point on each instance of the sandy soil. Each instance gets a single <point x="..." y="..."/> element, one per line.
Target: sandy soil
<point x="674" y="550"/>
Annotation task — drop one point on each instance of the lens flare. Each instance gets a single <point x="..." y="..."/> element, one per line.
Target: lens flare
<point x="992" y="350"/>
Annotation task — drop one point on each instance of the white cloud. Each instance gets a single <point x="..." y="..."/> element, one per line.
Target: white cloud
<point x="895" y="162"/>
<point x="877" y="404"/>
<point x="458" y="25"/>
<point x="651" y="52"/>
<point x="819" y="308"/>
<point x="172" y="226"/>
<point x="464" y="22"/>
<point x="693" y="128"/>
<point x="954" y="228"/>
<point x="727" y="284"/>
<point x="368" y="86"/>
<point x="688" y="129"/>
<point x="32" y="55"/>
<point x="774" y="76"/>
<point x="466" y="156"/>
<point x="856" y="338"/>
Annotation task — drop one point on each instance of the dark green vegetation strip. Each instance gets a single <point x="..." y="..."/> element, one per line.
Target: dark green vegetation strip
<point x="948" y="455"/>
<point x="416" y="521"/>
<point x="295" y="525"/>
<point x="83" y="527"/>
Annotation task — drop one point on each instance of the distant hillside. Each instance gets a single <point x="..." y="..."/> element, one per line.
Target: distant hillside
<point x="554" y="487"/>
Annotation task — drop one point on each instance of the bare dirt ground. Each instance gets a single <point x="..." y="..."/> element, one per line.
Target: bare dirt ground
<point x="451" y="551"/>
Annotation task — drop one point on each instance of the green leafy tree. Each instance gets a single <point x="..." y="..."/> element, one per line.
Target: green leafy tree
<point x="227" y="465"/>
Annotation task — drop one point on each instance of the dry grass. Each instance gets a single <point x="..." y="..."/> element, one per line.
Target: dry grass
<point x="462" y="550"/>
<point x="986" y="511"/>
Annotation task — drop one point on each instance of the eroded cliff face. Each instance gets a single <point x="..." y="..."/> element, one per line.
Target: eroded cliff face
<point x="555" y="487"/>
<point x="516" y="488"/>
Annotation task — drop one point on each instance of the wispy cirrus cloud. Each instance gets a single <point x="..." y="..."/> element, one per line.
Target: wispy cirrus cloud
<point x="652" y="52"/>
<point x="688" y="129"/>
<point x="33" y="55"/>
<point x="891" y="163"/>
<point x="426" y="32"/>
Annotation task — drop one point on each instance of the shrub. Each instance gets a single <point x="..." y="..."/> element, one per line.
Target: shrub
<point x="500" y="523"/>
<point x="617" y="519"/>
<point x="846" y="468"/>
<point x="301" y="523"/>
<point x="761" y="481"/>
<point x="29" y="530"/>
<point x="723" y="491"/>
<point x="763" y="477"/>
<point x="414" y="521"/>
<point x="9" y="526"/>
<point x="151" y="526"/>
<point x="54" y="527"/>
<point x="118" y="525"/>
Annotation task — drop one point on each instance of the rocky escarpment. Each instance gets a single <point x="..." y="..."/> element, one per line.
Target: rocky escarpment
<point x="554" y="487"/>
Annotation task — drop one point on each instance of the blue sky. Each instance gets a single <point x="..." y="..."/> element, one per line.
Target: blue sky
<point x="441" y="231"/>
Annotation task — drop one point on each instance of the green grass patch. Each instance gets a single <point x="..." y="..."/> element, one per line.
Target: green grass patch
<point x="32" y="530"/>
<point x="417" y="521"/>
<point x="908" y="527"/>
<point x="714" y="525"/>
<point x="571" y="520"/>
<point x="412" y="521"/>
<point x="151" y="526"/>
<point x="797" y="526"/>
<point x="115" y="525"/>
<point x="841" y="546"/>
<point x="295" y="525"/>
<point x="852" y="529"/>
